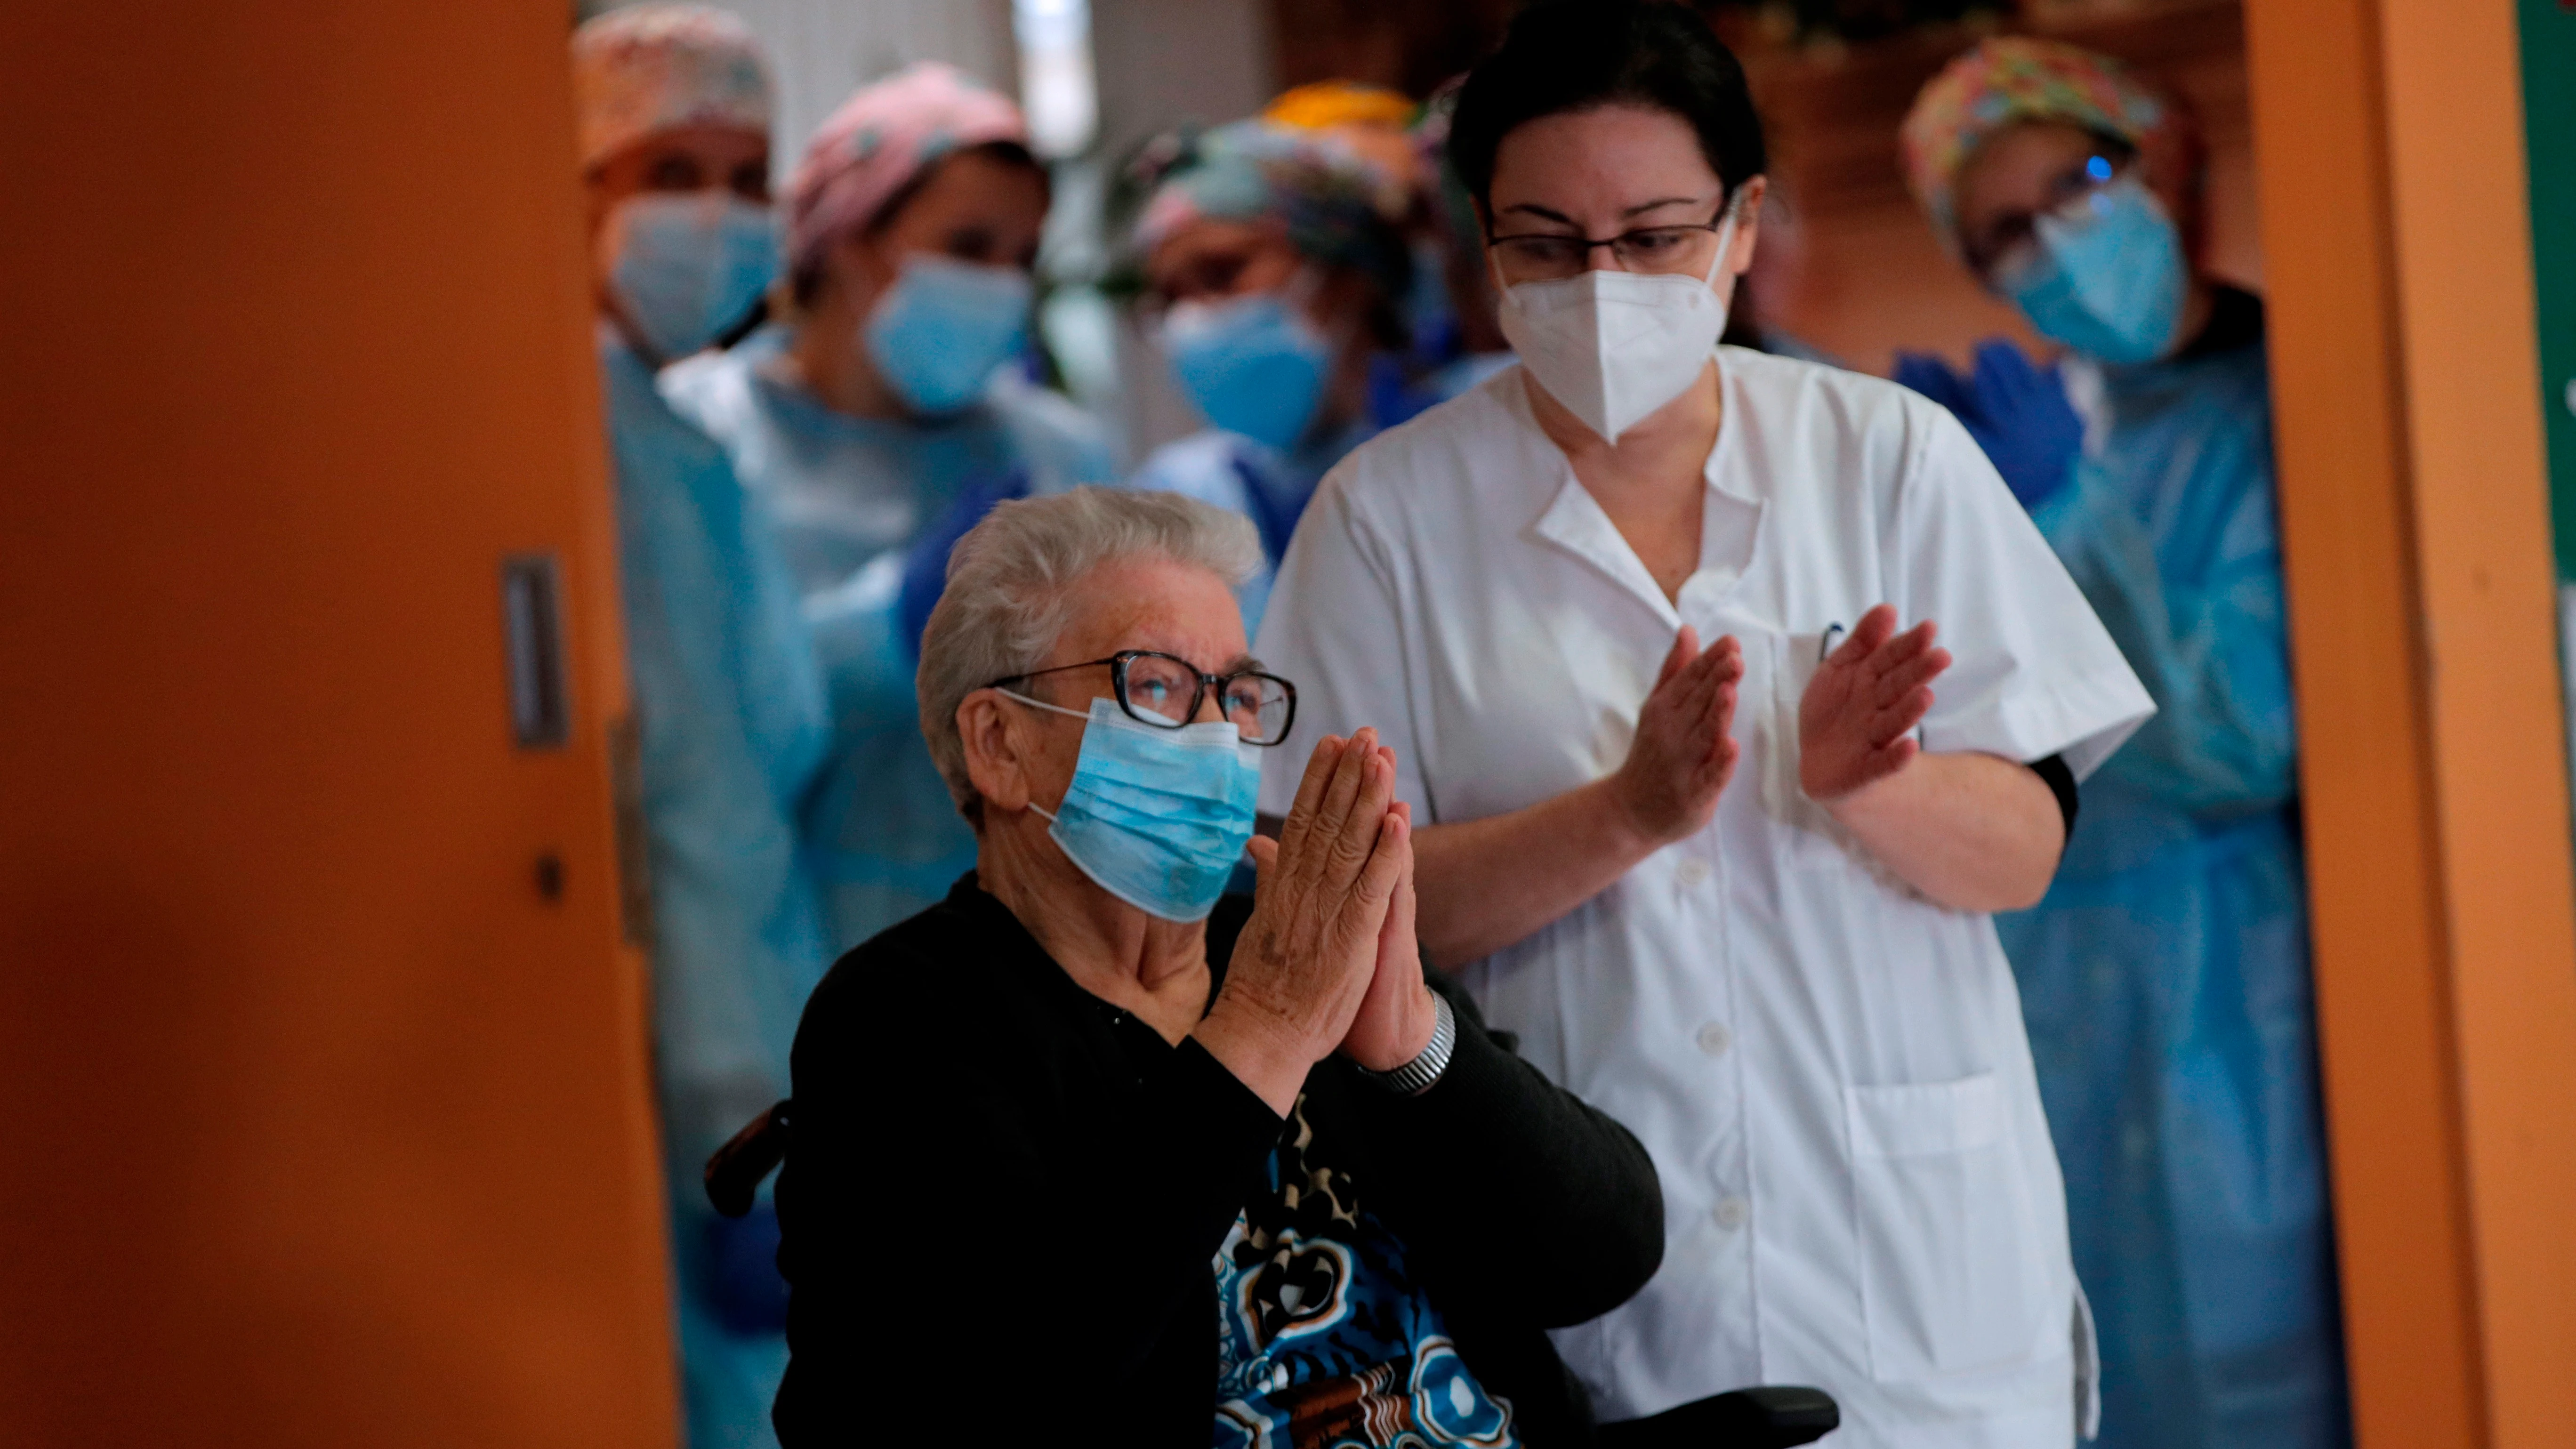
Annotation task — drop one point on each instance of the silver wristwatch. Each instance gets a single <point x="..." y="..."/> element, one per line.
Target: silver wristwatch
<point x="1416" y="1076"/>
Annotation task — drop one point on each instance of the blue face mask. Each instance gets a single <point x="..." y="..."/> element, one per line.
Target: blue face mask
<point x="1156" y="817"/>
<point x="937" y="335"/>
<point x="1254" y="365"/>
<point x="685" y="266"/>
<point x="2108" y="278"/>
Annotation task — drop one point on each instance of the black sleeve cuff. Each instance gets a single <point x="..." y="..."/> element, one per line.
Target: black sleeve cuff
<point x="1228" y="1115"/>
<point x="1495" y="1158"/>
<point x="2061" y="783"/>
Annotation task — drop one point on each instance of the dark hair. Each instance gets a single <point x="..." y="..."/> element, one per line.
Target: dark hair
<point x="1578" y="55"/>
<point x="808" y="280"/>
<point x="1009" y="153"/>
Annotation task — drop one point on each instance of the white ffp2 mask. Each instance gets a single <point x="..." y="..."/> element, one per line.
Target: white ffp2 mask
<point x="1615" y="346"/>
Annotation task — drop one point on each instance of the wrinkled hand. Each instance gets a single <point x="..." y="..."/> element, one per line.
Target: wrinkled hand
<point x="1320" y="907"/>
<point x="1685" y="749"/>
<point x="1856" y="721"/>
<point x="1396" y="1016"/>
<point x="2018" y="413"/>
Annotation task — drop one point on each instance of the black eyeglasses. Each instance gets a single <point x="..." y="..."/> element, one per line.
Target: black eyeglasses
<point x="1167" y="693"/>
<point x="1537" y="256"/>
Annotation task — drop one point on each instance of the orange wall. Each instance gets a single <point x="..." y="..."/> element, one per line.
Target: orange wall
<point x="318" y="1124"/>
<point x="2414" y="515"/>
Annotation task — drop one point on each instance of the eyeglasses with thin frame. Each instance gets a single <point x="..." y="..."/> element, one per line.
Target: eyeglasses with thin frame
<point x="1539" y="256"/>
<point x="2011" y="240"/>
<point x="1167" y="692"/>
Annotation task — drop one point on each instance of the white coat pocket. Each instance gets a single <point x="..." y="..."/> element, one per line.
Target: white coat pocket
<point x="1950" y="1272"/>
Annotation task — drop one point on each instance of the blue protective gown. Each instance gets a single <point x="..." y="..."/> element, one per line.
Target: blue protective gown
<point x="729" y="705"/>
<point x="850" y="496"/>
<point x="1239" y="475"/>
<point x="2165" y="976"/>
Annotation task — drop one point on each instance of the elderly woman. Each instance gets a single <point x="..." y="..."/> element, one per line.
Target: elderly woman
<point x="1049" y="1128"/>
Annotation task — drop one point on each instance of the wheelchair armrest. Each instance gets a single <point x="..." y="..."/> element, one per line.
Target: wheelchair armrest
<point x="1774" y="1416"/>
<point x="734" y="1174"/>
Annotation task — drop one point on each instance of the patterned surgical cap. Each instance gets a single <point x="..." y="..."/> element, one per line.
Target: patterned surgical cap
<point x="648" y="68"/>
<point x="1324" y="195"/>
<point x="2013" y="79"/>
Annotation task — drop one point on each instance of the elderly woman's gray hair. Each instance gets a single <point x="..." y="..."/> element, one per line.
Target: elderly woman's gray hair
<point x="1008" y="582"/>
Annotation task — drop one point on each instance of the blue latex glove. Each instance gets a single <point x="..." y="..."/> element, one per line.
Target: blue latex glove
<point x="742" y="1264"/>
<point x="925" y="564"/>
<point x="2018" y="413"/>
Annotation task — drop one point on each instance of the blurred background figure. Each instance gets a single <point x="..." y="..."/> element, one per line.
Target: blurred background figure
<point x="1778" y="270"/>
<point x="1276" y="282"/>
<point x="888" y="410"/>
<point x="1457" y="341"/>
<point x="1406" y="142"/>
<point x="1372" y="121"/>
<point x="674" y="109"/>
<point x="2165" y="977"/>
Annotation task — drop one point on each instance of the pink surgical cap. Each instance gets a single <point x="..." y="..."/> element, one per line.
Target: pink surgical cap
<point x="879" y="141"/>
<point x="648" y="68"/>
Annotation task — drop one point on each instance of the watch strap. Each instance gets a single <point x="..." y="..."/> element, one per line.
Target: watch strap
<point x="1417" y="1076"/>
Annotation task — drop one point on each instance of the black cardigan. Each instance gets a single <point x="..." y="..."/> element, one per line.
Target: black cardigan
<point x="1003" y="1198"/>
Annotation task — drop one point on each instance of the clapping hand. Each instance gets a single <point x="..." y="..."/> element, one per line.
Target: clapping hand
<point x="1856" y="721"/>
<point x="1684" y="751"/>
<point x="1396" y="1017"/>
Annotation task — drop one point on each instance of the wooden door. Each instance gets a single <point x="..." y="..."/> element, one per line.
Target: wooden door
<point x="323" y="1084"/>
<point x="2389" y="147"/>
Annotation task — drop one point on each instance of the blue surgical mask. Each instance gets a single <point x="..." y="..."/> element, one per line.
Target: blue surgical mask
<point x="1254" y="365"/>
<point x="2106" y="275"/>
<point x="1156" y="817"/>
<point x="937" y="335"/>
<point x="687" y="266"/>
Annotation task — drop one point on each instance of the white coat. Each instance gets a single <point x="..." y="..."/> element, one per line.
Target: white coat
<point x="1830" y="1071"/>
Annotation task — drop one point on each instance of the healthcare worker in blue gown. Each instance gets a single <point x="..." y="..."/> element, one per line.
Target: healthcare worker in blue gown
<point x="674" y="121"/>
<point x="876" y="422"/>
<point x="2165" y="976"/>
<point x="1275" y="284"/>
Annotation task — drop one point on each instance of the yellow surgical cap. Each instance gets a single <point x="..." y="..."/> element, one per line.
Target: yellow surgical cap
<point x="1324" y="105"/>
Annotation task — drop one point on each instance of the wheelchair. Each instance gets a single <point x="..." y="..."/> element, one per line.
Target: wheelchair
<point x="1774" y="1416"/>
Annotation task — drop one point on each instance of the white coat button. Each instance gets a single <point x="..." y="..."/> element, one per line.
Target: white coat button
<point x="1731" y="1212"/>
<point x="1714" y="1038"/>
<point x="1691" y="871"/>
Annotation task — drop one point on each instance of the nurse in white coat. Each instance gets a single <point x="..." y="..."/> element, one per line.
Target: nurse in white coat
<point x="1737" y="895"/>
